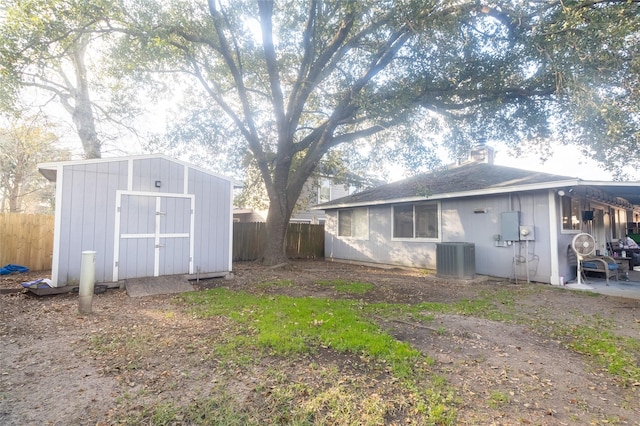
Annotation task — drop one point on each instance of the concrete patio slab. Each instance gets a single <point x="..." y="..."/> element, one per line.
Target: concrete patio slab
<point x="618" y="288"/>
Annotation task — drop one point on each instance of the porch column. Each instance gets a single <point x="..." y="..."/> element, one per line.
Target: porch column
<point x="554" y="279"/>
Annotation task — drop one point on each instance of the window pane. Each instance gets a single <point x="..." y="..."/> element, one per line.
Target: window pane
<point x="353" y="223"/>
<point x="360" y="227"/>
<point x="570" y="213"/>
<point x="426" y="221"/>
<point x="344" y="223"/>
<point x="403" y="221"/>
<point x="575" y="213"/>
<point x="324" y="191"/>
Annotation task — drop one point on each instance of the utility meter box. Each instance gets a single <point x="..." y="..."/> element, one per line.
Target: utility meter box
<point x="510" y="222"/>
<point x="527" y="233"/>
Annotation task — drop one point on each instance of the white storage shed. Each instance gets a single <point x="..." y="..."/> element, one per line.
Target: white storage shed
<point x="144" y="216"/>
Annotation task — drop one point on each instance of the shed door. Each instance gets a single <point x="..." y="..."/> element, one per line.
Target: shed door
<point x="154" y="236"/>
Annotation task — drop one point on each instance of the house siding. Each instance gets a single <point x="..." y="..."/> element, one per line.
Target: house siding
<point x="459" y="223"/>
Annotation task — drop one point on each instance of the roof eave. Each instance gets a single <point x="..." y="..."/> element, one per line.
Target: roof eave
<point x="49" y="169"/>
<point x="460" y="194"/>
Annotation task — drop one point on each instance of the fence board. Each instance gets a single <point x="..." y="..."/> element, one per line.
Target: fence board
<point x="27" y="240"/>
<point x="303" y="240"/>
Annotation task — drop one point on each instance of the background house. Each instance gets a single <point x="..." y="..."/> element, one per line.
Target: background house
<point x="320" y="188"/>
<point x="143" y="216"/>
<point x="521" y="223"/>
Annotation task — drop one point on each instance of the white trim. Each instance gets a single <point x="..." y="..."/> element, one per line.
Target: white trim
<point x="230" y="266"/>
<point x="156" y="239"/>
<point x="554" y="225"/>
<point x="57" y="223"/>
<point x="461" y="194"/>
<point x="185" y="189"/>
<point x="438" y="205"/>
<point x="192" y="231"/>
<point x="175" y="235"/>
<point x="156" y="235"/>
<point x="353" y="237"/>
<point x="130" y="175"/>
<point x="635" y="184"/>
<point x="581" y="209"/>
<point x="153" y="194"/>
<point x="116" y="237"/>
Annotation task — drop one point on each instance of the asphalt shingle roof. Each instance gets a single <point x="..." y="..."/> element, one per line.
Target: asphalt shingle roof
<point x="468" y="177"/>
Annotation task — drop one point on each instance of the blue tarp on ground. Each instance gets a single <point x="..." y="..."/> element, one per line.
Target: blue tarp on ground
<point x="9" y="269"/>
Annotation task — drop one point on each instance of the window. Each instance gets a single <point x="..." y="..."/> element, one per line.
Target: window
<point x="570" y="213"/>
<point x="415" y="221"/>
<point x="324" y="191"/>
<point x="353" y="223"/>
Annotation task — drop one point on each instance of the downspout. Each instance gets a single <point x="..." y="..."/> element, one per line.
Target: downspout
<point x="554" y="279"/>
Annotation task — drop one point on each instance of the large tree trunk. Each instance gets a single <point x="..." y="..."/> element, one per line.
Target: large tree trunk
<point x="81" y="109"/>
<point x="283" y="195"/>
<point x="83" y="114"/>
<point x="275" y="247"/>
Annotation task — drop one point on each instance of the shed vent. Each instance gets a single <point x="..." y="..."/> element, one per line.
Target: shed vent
<point x="456" y="260"/>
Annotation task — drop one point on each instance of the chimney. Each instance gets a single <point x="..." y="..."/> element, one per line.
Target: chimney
<point x="481" y="153"/>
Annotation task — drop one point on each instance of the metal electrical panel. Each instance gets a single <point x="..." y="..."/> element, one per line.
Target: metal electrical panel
<point x="510" y="226"/>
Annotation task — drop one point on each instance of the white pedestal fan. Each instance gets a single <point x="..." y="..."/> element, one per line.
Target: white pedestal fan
<point x="584" y="245"/>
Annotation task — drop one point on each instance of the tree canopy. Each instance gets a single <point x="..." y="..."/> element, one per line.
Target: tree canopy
<point x="285" y="83"/>
<point x="24" y="143"/>
<point x="55" y="48"/>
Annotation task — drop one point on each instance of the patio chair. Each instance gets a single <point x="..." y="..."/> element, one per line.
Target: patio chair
<point x="606" y="265"/>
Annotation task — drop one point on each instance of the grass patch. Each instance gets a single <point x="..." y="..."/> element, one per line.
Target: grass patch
<point x="496" y="306"/>
<point x="285" y="326"/>
<point x="497" y="398"/>
<point x="619" y="355"/>
<point x="276" y="283"/>
<point x="344" y="286"/>
<point x="221" y="410"/>
<point x="291" y="328"/>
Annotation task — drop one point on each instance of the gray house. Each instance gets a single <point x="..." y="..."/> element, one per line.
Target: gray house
<point x="144" y="216"/>
<point x="519" y="223"/>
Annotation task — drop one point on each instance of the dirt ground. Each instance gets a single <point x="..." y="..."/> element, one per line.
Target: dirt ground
<point x="52" y="374"/>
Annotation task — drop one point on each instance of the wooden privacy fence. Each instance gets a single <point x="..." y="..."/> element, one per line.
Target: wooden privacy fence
<point x="27" y="240"/>
<point x="303" y="240"/>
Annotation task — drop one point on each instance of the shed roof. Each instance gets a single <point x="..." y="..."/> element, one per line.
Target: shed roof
<point x="50" y="170"/>
<point x="472" y="179"/>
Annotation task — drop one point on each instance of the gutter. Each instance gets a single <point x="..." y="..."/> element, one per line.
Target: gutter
<point x="462" y="194"/>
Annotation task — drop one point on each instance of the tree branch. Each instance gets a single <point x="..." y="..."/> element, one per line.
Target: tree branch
<point x="266" y="25"/>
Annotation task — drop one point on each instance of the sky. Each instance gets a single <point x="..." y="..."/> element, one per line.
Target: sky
<point x="566" y="161"/>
